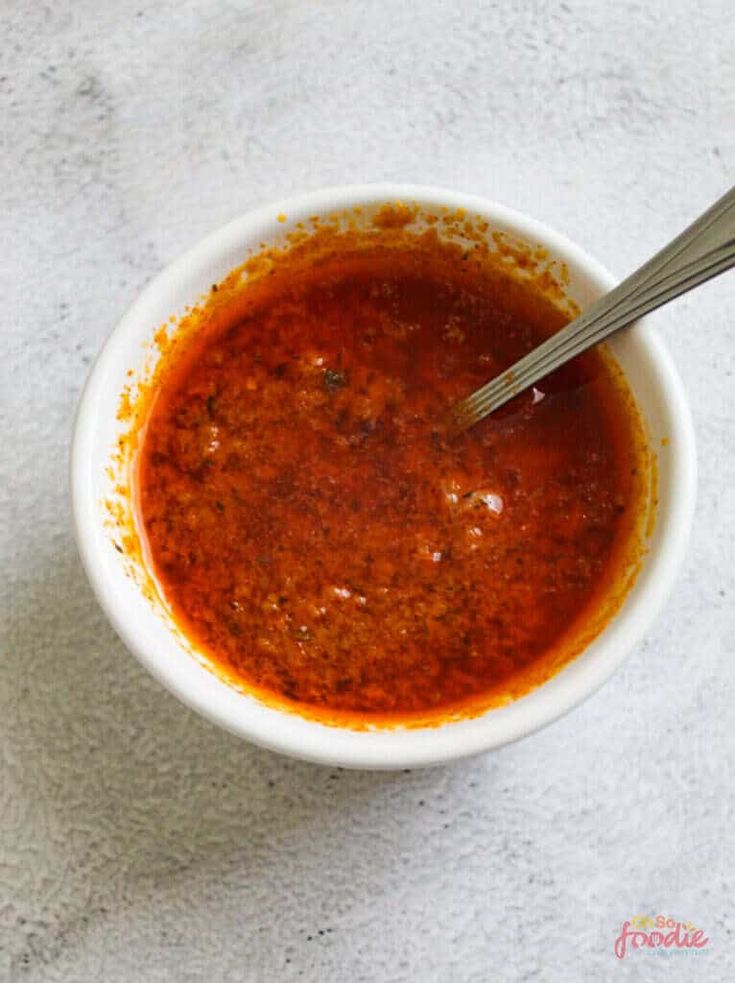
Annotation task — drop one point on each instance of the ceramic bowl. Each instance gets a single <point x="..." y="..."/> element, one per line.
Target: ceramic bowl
<point x="150" y="635"/>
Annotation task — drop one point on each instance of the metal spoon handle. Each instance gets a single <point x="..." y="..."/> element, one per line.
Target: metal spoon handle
<point x="704" y="250"/>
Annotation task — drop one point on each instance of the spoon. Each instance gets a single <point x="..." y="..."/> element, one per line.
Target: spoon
<point x="702" y="251"/>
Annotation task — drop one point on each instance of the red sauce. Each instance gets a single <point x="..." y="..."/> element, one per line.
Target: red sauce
<point x="323" y="537"/>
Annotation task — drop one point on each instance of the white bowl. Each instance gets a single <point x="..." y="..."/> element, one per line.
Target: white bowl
<point x="152" y="637"/>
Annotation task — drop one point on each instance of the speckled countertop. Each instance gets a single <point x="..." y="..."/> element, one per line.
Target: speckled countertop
<point x="137" y="842"/>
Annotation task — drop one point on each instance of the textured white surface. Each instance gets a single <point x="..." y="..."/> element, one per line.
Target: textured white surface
<point x="136" y="841"/>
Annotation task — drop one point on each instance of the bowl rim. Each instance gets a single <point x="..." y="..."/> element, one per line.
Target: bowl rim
<point x="285" y="731"/>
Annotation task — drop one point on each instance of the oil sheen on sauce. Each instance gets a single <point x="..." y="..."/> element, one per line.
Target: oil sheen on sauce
<point x="323" y="537"/>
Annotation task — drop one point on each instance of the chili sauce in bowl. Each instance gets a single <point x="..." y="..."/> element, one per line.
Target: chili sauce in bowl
<point x="317" y="530"/>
